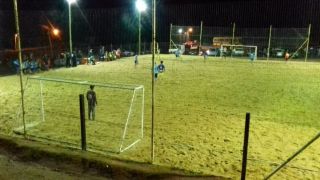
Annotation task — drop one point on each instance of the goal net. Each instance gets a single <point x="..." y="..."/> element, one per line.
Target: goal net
<point x="52" y="113"/>
<point x="239" y="51"/>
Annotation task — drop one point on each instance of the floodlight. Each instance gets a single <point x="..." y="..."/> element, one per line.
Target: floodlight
<point x="55" y="31"/>
<point x="180" y="31"/>
<point x="141" y="5"/>
<point x="71" y="1"/>
<point x="190" y="30"/>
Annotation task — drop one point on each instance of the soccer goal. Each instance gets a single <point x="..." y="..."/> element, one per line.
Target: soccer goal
<point x="239" y="51"/>
<point x="52" y="114"/>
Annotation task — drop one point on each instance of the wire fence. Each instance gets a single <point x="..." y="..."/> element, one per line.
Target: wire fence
<point x="271" y="42"/>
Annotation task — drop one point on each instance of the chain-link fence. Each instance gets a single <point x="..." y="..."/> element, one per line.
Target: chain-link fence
<point x="271" y="42"/>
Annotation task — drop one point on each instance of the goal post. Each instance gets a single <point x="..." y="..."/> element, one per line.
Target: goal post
<point x="52" y="113"/>
<point x="239" y="51"/>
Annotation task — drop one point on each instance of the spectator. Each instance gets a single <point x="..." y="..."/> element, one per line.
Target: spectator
<point x="16" y="65"/>
<point x="26" y="66"/>
<point x="68" y="60"/>
<point x="101" y="53"/>
<point x="91" y="57"/>
<point x="74" y="59"/>
<point x="34" y="67"/>
<point x="45" y="62"/>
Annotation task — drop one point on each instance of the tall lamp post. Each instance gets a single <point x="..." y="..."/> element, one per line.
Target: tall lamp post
<point x="141" y="6"/>
<point x="180" y="32"/>
<point x="51" y="32"/>
<point x="55" y="32"/>
<point x="189" y="33"/>
<point x="70" y="2"/>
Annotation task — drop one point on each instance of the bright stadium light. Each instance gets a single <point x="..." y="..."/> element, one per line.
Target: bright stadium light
<point x="71" y="1"/>
<point x="141" y="5"/>
<point x="55" y="31"/>
<point x="190" y="30"/>
<point x="180" y="31"/>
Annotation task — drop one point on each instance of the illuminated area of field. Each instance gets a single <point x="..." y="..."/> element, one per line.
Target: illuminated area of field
<point x="200" y="112"/>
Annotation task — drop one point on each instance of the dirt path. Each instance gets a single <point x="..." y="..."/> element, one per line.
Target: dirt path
<point x="14" y="169"/>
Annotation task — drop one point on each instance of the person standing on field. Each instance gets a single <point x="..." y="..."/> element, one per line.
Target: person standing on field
<point x="92" y="102"/>
<point x="286" y="56"/>
<point x="155" y="71"/>
<point x="161" y="67"/>
<point x="136" y="60"/>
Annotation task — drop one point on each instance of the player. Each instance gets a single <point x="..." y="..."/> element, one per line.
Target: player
<point x="161" y="67"/>
<point x="91" y="57"/>
<point x="223" y="52"/>
<point x="251" y="56"/>
<point x="286" y="56"/>
<point x="205" y="55"/>
<point x="156" y="71"/>
<point x="177" y="53"/>
<point x="92" y="102"/>
<point x="136" y="60"/>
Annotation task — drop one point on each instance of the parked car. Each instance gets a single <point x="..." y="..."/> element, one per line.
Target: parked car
<point x="238" y="51"/>
<point x="278" y="52"/>
<point x="127" y="53"/>
<point x="213" y="52"/>
<point x="193" y="52"/>
<point x="173" y="51"/>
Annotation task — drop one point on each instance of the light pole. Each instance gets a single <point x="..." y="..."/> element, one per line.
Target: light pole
<point x="51" y="32"/>
<point x="180" y="34"/>
<point x="189" y="33"/>
<point x="55" y="32"/>
<point x="70" y="2"/>
<point x="141" y="6"/>
<point x="15" y="41"/>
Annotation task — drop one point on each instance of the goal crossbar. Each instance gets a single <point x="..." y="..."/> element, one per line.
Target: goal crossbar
<point x="132" y="88"/>
<point x="233" y="45"/>
<point x="81" y="82"/>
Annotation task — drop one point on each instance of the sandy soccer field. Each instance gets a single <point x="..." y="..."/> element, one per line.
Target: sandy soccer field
<point x="200" y="112"/>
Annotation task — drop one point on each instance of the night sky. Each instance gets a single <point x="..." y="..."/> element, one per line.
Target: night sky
<point x="103" y="19"/>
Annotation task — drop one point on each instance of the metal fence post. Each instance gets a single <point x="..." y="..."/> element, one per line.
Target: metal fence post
<point x="245" y="147"/>
<point x="83" y="123"/>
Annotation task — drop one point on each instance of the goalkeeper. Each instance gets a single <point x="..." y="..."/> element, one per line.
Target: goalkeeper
<point x="251" y="56"/>
<point x="92" y="102"/>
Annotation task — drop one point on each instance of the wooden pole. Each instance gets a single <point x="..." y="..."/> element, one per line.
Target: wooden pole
<point x="83" y="123"/>
<point x="153" y="79"/>
<point x="307" y="51"/>
<point x="269" y="42"/>
<point x="16" y="15"/>
<point x="170" y="36"/>
<point x="201" y="28"/>
<point x="233" y="33"/>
